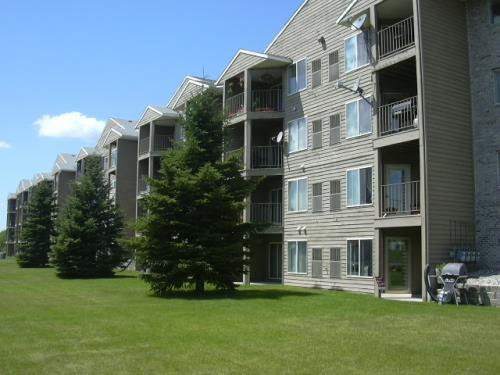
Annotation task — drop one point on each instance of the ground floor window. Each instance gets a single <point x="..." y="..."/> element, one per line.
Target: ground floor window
<point x="359" y="258"/>
<point x="297" y="257"/>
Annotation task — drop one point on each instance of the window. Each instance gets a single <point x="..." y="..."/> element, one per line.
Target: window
<point x="495" y="11"/>
<point x="496" y="74"/>
<point x="335" y="195"/>
<point x="297" y="195"/>
<point x="317" y="141"/>
<point x="297" y="135"/>
<point x="297" y="77"/>
<point x="317" y="197"/>
<point x="335" y="272"/>
<point x="317" y="263"/>
<point x="356" y="51"/>
<point x="335" y="129"/>
<point x="358" y="118"/>
<point x="334" y="66"/>
<point x="297" y="257"/>
<point x="359" y="187"/>
<point x="316" y="73"/>
<point x="359" y="258"/>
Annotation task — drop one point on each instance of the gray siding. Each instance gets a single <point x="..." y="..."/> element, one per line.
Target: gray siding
<point x="242" y="63"/>
<point x="447" y="124"/>
<point x="64" y="188"/>
<point x="189" y="91"/>
<point x="126" y="180"/>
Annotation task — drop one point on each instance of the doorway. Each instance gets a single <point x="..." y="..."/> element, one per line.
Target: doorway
<point x="275" y="261"/>
<point x="397" y="264"/>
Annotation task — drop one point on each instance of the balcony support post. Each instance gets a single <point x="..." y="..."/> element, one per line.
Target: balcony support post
<point x="151" y="147"/>
<point x="247" y="152"/>
<point x="247" y="219"/>
<point x="248" y="91"/>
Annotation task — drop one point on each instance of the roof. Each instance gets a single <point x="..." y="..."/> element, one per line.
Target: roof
<point x="122" y="128"/>
<point x="202" y="82"/>
<point x="39" y="177"/>
<point x="86" y="151"/>
<point x="286" y="25"/>
<point x="23" y="186"/>
<point x="11" y="196"/>
<point x="154" y="112"/>
<point x="261" y="57"/>
<point x="64" y="162"/>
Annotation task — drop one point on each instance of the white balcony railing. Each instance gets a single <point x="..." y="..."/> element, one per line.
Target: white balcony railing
<point x="163" y="142"/>
<point x="266" y="213"/>
<point x="396" y="37"/>
<point x="267" y="157"/>
<point x="270" y="100"/>
<point x="235" y="105"/>
<point x="142" y="185"/>
<point x="401" y="199"/>
<point x="144" y="146"/>
<point x="398" y="116"/>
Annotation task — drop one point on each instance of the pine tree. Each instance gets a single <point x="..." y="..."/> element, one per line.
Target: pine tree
<point x="38" y="228"/>
<point x="88" y="230"/>
<point x="192" y="234"/>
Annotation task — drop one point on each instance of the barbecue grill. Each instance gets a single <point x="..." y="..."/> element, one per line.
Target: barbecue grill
<point x="453" y="278"/>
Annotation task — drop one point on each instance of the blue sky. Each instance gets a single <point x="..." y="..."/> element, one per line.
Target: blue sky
<point x="106" y="59"/>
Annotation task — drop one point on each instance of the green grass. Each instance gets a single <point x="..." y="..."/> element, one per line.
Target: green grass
<point x="113" y="326"/>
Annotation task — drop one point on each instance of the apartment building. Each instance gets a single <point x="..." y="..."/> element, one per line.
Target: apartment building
<point x="484" y="51"/>
<point x="22" y="200"/>
<point x="10" y="240"/>
<point x="82" y="158"/>
<point x="375" y="111"/>
<point x="64" y="172"/>
<point x="159" y="129"/>
<point x="118" y="145"/>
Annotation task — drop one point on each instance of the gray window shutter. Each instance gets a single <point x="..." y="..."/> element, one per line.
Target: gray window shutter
<point x="334" y="66"/>
<point x="335" y="264"/>
<point x="335" y="129"/>
<point x="317" y="141"/>
<point x="317" y="263"/>
<point x="335" y="195"/>
<point x="317" y="197"/>
<point x="316" y="73"/>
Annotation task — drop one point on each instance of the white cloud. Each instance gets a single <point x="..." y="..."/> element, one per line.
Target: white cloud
<point x="4" y="145"/>
<point x="70" y="125"/>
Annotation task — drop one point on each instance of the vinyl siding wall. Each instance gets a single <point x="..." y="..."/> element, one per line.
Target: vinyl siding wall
<point x="126" y="180"/>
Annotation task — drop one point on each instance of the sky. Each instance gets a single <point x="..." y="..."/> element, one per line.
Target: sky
<point x="68" y="66"/>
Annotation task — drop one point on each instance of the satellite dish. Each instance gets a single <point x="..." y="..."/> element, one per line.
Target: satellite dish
<point x="355" y="87"/>
<point x="279" y="137"/>
<point x="358" y="23"/>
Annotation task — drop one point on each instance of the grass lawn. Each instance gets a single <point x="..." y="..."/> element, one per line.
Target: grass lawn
<point x="113" y="326"/>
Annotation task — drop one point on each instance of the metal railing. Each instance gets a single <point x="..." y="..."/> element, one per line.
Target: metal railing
<point x="163" y="142"/>
<point x="113" y="158"/>
<point x="142" y="185"/>
<point x="267" y="157"/>
<point x="238" y="154"/>
<point x="266" y="213"/>
<point x="396" y="37"/>
<point x="144" y="146"/>
<point x="398" y="116"/>
<point x="235" y="104"/>
<point x="270" y="100"/>
<point x="401" y="199"/>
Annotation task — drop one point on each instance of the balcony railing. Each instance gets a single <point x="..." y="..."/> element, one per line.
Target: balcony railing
<point x="163" y="142"/>
<point x="142" y="185"/>
<point x="144" y="146"/>
<point x="238" y="154"/>
<point x="266" y="213"/>
<point x="112" y="160"/>
<point x="401" y="199"/>
<point x="267" y="157"/>
<point x="267" y="100"/>
<point x="396" y="37"/>
<point x="398" y="116"/>
<point x="235" y="105"/>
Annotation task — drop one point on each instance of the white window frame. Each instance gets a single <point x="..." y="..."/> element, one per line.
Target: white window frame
<point x="371" y="118"/>
<point x="296" y="62"/>
<point x="306" y="135"/>
<point x="345" y="54"/>
<point x="347" y="186"/>
<point x="359" y="239"/>
<point x="288" y="194"/>
<point x="297" y="255"/>
<point x="496" y="75"/>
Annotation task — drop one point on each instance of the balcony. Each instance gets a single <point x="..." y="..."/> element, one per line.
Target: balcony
<point x="398" y="116"/>
<point x="395" y="38"/>
<point x="163" y="142"/>
<point x="237" y="153"/>
<point x="266" y="213"/>
<point x="235" y="105"/>
<point x="113" y="158"/>
<point x="142" y="186"/>
<point x="400" y="199"/>
<point x="270" y="100"/>
<point x="144" y="146"/>
<point x="267" y="157"/>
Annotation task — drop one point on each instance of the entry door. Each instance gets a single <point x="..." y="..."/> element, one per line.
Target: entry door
<point x="276" y="206"/>
<point x="397" y="192"/>
<point x="275" y="261"/>
<point x="397" y="264"/>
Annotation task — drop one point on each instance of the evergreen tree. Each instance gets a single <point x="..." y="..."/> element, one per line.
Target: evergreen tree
<point x="193" y="233"/>
<point x="88" y="230"/>
<point x="38" y="227"/>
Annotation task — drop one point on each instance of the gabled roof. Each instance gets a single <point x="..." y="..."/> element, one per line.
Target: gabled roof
<point x="23" y="186"/>
<point x="259" y="58"/>
<point x="39" y="177"/>
<point x="11" y="196"/>
<point x="64" y="162"/>
<point x="286" y="25"/>
<point x="189" y="80"/>
<point x="86" y="151"/>
<point x="154" y="112"/>
<point x="120" y="127"/>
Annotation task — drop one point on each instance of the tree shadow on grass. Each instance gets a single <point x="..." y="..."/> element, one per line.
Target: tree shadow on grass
<point x="242" y="294"/>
